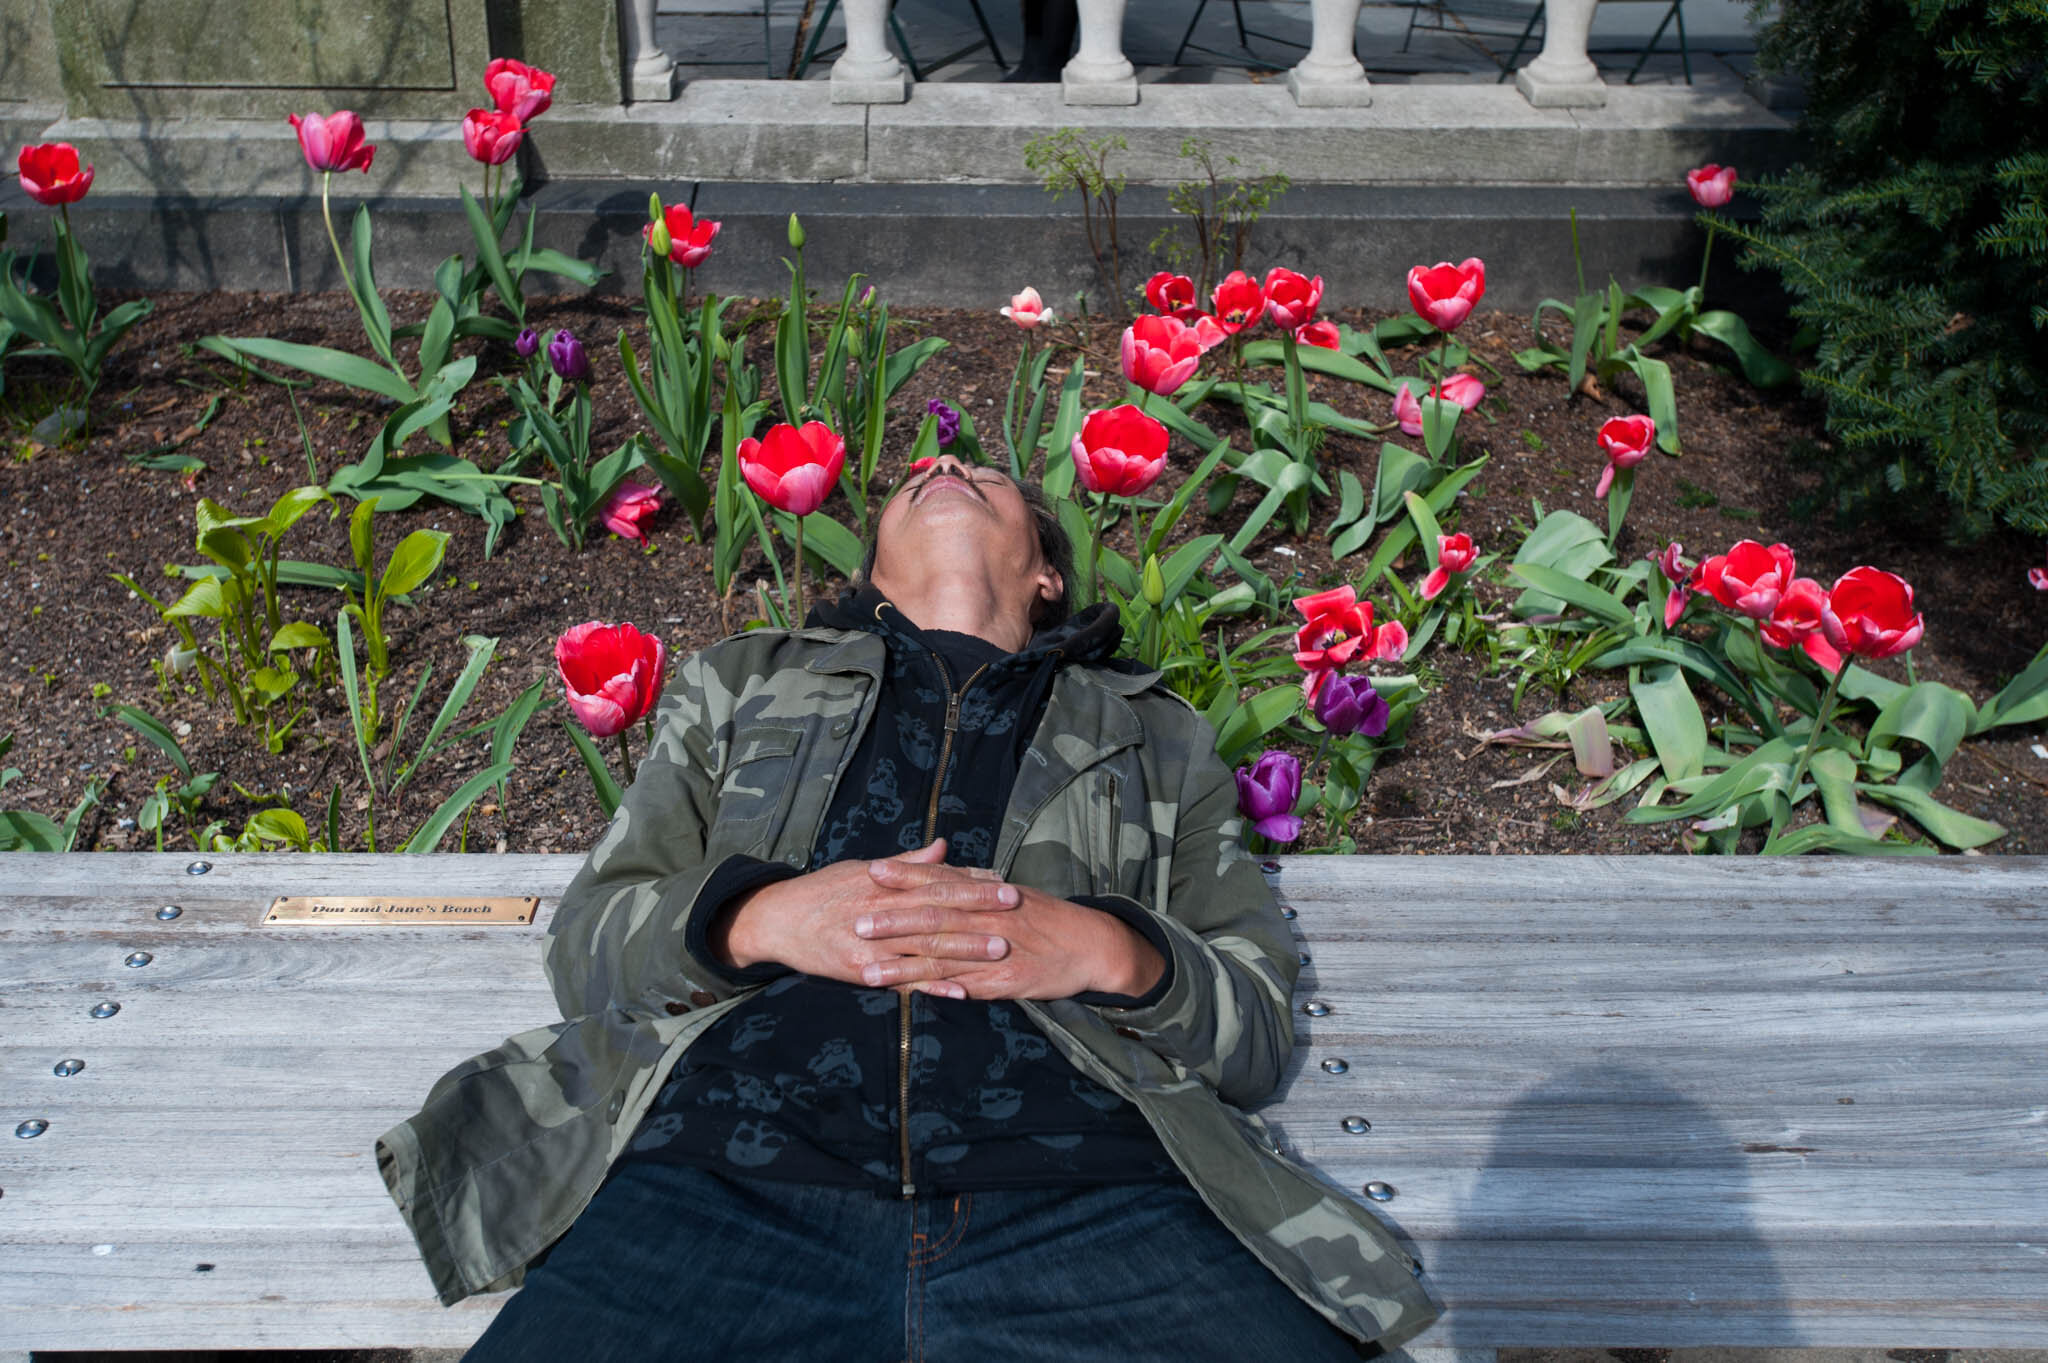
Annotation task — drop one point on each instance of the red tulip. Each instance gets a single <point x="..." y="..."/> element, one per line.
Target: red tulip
<point x="1454" y="554"/>
<point x="1291" y="300"/>
<point x="2039" y="578"/>
<point x="490" y="136"/>
<point x="1748" y="578"/>
<point x="1625" y="440"/>
<point x="612" y="674"/>
<point x="1159" y="354"/>
<point x="1239" y="301"/>
<point x="1463" y="389"/>
<point x="1339" y="627"/>
<point x="1445" y="294"/>
<point x="1120" y="451"/>
<point x="1712" y="186"/>
<point x="1407" y="410"/>
<point x="518" y="89"/>
<point x="1207" y="332"/>
<point x="629" y="509"/>
<point x="334" y="142"/>
<point x="1321" y="335"/>
<point x="1679" y="576"/>
<point x="1798" y="620"/>
<point x="1173" y="294"/>
<point x="793" y="470"/>
<point x="51" y="175"/>
<point x="1028" y="310"/>
<point x="1870" y="614"/>
<point x="689" y="239"/>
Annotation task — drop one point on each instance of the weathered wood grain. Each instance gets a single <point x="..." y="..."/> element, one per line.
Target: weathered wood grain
<point x="1657" y="1101"/>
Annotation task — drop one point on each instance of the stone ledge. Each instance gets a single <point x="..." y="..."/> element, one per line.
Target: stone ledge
<point x="792" y="132"/>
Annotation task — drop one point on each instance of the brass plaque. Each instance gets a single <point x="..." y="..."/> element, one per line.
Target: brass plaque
<point x="376" y="910"/>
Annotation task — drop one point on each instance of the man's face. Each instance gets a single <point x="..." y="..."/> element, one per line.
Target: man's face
<point x="952" y="509"/>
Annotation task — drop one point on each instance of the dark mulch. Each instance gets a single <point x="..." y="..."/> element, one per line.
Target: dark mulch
<point x="70" y="517"/>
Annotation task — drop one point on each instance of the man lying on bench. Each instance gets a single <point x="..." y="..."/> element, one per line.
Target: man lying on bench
<point x="911" y="1001"/>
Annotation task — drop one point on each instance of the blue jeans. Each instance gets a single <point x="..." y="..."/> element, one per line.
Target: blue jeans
<point x="672" y="1263"/>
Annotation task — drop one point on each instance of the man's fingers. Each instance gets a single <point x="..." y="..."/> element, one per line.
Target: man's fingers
<point x="898" y="874"/>
<point x="936" y="910"/>
<point x="932" y="852"/>
<point x="897" y="970"/>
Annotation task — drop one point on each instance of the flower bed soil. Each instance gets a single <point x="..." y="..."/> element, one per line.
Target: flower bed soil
<point x="69" y="517"/>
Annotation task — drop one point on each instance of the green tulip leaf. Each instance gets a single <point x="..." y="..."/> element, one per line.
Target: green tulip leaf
<point x="413" y="561"/>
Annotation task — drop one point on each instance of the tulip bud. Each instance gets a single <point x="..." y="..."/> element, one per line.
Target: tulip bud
<point x="178" y="659"/>
<point x="658" y="239"/>
<point x="1155" y="581"/>
<point x="796" y="234"/>
<point x="654" y="212"/>
<point x="526" y="344"/>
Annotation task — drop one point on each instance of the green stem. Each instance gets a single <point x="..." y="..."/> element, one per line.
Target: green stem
<point x="1706" y="259"/>
<point x="1094" y="547"/>
<point x="1297" y="390"/>
<point x="327" y="216"/>
<point x="1578" y="260"/>
<point x="1820" y="721"/>
<point x="625" y="758"/>
<point x="797" y="623"/>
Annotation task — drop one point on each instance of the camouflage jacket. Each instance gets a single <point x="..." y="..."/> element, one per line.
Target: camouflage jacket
<point x="1120" y="792"/>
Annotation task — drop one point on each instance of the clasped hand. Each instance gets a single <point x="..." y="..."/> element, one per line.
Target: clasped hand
<point x="915" y="923"/>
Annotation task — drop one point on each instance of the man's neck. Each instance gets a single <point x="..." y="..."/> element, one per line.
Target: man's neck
<point x="964" y="602"/>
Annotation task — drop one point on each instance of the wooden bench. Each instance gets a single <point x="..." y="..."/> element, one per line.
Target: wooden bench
<point x="1629" y="1101"/>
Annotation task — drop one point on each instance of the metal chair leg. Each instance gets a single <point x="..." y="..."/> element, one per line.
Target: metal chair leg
<point x="1189" y="36"/>
<point x="1684" y="53"/>
<point x="1520" y="43"/>
<point x="988" y="34"/>
<point x="817" y="36"/>
<point x="1651" y="46"/>
<point x="1237" y="11"/>
<point x="909" y="57"/>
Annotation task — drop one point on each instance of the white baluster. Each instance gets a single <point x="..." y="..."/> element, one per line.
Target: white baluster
<point x="867" y="72"/>
<point x="1563" y="76"/>
<point x="650" y="75"/>
<point x="1099" y="73"/>
<point x="1330" y="76"/>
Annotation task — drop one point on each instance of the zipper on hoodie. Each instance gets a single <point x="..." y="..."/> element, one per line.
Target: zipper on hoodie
<point x="931" y="822"/>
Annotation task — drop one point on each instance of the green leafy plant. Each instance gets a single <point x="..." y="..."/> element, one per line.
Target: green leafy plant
<point x="1220" y="208"/>
<point x="70" y="328"/>
<point x="1065" y="161"/>
<point x="412" y="563"/>
<point x="1911" y="237"/>
<point x="24" y="830"/>
<point x="580" y="487"/>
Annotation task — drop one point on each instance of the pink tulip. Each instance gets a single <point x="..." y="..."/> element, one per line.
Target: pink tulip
<point x="1407" y="410"/>
<point x="1239" y="302"/>
<point x="1798" y="620"/>
<point x="1454" y="554"/>
<point x="1160" y="354"/>
<point x="1207" y="333"/>
<point x="1120" y="451"/>
<point x="518" y="89"/>
<point x="1291" y="299"/>
<point x="1172" y="294"/>
<point x="1870" y="614"/>
<point x="1749" y="578"/>
<point x="1028" y="310"/>
<point x="612" y="674"/>
<point x="1672" y="565"/>
<point x="1445" y="294"/>
<point x="689" y="238"/>
<point x="51" y="175"/>
<point x="1626" y="441"/>
<point x="490" y="136"/>
<point x="629" y="509"/>
<point x="1712" y="186"/>
<point x="2039" y="578"/>
<point x="793" y="469"/>
<point x="1321" y="335"/>
<point x="333" y="142"/>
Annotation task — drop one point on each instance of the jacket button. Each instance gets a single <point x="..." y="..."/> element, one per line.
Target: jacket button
<point x="794" y="858"/>
<point x="842" y="728"/>
<point x="702" y="998"/>
<point x="1130" y="1032"/>
<point x="674" y="1009"/>
<point x="614" y="1108"/>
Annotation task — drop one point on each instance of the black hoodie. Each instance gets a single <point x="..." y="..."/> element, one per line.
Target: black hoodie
<point x="822" y="1082"/>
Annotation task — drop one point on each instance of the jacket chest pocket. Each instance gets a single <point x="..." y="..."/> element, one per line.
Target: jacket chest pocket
<point x="757" y="786"/>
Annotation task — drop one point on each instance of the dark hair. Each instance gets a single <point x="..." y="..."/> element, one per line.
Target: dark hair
<point x="1053" y="546"/>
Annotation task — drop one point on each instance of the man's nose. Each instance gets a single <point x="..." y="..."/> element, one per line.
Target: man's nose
<point x="953" y="464"/>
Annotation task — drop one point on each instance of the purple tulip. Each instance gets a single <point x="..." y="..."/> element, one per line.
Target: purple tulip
<point x="526" y="344"/>
<point x="949" y="421"/>
<point x="1349" y="705"/>
<point x="565" y="353"/>
<point x="1266" y="794"/>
